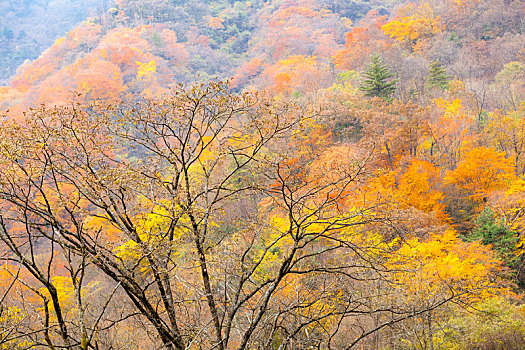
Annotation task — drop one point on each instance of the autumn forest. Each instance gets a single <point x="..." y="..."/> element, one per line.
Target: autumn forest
<point x="265" y="174"/>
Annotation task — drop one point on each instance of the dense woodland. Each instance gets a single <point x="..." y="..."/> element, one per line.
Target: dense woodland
<point x="278" y="174"/>
<point x="28" y="27"/>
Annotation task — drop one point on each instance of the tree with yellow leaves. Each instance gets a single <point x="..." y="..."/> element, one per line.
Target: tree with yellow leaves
<point x="506" y="133"/>
<point x="439" y="268"/>
<point x="413" y="24"/>
<point x="203" y="214"/>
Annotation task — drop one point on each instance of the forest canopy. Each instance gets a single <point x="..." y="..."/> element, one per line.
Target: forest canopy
<point x="284" y="174"/>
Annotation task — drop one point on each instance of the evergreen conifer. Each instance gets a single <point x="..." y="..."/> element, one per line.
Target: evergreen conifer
<point x="377" y="79"/>
<point x="437" y="76"/>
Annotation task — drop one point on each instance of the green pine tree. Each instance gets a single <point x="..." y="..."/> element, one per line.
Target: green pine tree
<point x="437" y="76"/>
<point x="377" y="79"/>
<point x="490" y="230"/>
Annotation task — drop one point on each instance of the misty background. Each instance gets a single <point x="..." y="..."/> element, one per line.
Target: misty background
<point x="29" y="27"/>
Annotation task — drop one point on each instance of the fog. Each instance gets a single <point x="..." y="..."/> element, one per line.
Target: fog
<point x="28" y="27"/>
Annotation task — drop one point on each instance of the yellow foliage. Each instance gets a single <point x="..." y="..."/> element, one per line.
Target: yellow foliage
<point x="511" y="208"/>
<point x="449" y="108"/>
<point x="146" y="70"/>
<point x="94" y="224"/>
<point x="445" y="264"/>
<point x="413" y="23"/>
<point x="344" y="84"/>
<point x="66" y="293"/>
<point x="11" y="314"/>
<point x="10" y="318"/>
<point x="151" y="228"/>
<point x="506" y="132"/>
<point x="275" y="242"/>
<point x="59" y="41"/>
<point x="451" y="131"/>
<point x="307" y="302"/>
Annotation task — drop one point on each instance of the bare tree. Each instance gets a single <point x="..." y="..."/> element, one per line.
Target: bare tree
<point x="209" y="211"/>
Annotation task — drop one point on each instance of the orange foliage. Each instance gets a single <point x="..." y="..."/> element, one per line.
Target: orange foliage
<point x="296" y="73"/>
<point x="282" y="17"/>
<point x="247" y="71"/>
<point x="480" y="171"/>
<point x="41" y="68"/>
<point x="107" y="68"/>
<point x="293" y="29"/>
<point x="9" y="97"/>
<point x="52" y="59"/>
<point x="124" y="46"/>
<point x="89" y="76"/>
<point x="216" y="23"/>
<point x="175" y="51"/>
<point x="360" y="43"/>
<point x="99" y="80"/>
<point x="417" y="186"/>
<point x="86" y="34"/>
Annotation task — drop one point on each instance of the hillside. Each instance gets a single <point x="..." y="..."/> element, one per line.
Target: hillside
<point x="159" y="43"/>
<point x="27" y="28"/>
<point x="265" y="174"/>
